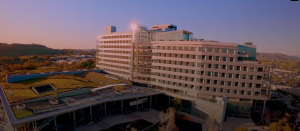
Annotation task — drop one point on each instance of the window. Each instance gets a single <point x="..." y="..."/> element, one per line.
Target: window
<point x="193" y="64"/>
<point x="200" y="88"/>
<point x="203" y="65"/>
<point x="223" y="66"/>
<point x="208" y="81"/>
<point x="243" y="84"/>
<point x="231" y="67"/>
<point x="259" y="69"/>
<point x="193" y="71"/>
<point x="221" y="90"/>
<point x="217" y="58"/>
<point x="216" y="74"/>
<point x="214" y="89"/>
<point x="175" y="62"/>
<point x="201" y="80"/>
<point x="224" y="58"/>
<point x="229" y="83"/>
<point x="210" y="57"/>
<point x="242" y="92"/>
<point x="202" y="73"/>
<point x="228" y="91"/>
<point x="249" y="93"/>
<point x="252" y="69"/>
<point x="194" y="56"/>
<point x="210" y="49"/>
<point x="231" y="59"/>
<point x="222" y="82"/>
<point x="209" y="65"/>
<point x="235" y="91"/>
<point x="245" y="68"/>
<point x="186" y="71"/>
<point x="203" y="57"/>
<point x="180" y="70"/>
<point x="181" y="55"/>
<point x="230" y="75"/>
<point x="175" y="55"/>
<point x="217" y="50"/>
<point x="223" y="75"/>
<point x="250" y="85"/>
<point x="237" y="76"/>
<point x="207" y="88"/>
<point x="224" y="50"/>
<point x="236" y="84"/>
<point x="238" y="68"/>
<point x="216" y="82"/>
<point x="232" y="51"/>
<point x="217" y="66"/>
<point x="258" y="85"/>
<point x="208" y="73"/>
<point x="203" y="49"/>
<point x="251" y="77"/>
<point x="244" y="76"/>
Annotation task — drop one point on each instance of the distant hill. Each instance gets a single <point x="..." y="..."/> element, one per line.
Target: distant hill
<point x="27" y="49"/>
<point x="275" y="56"/>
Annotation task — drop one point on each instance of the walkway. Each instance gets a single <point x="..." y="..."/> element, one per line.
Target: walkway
<point x="151" y="116"/>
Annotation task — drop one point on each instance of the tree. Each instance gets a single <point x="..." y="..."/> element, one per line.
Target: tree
<point x="241" y="129"/>
<point x="293" y="103"/>
<point x="167" y="120"/>
<point x="277" y="79"/>
<point x="177" y="103"/>
<point x="287" y="127"/>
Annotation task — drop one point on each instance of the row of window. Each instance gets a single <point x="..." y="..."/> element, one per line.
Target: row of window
<point x="115" y="66"/>
<point x="209" y="81"/>
<point x="229" y="91"/>
<point x="113" y="61"/>
<point x="202" y="57"/>
<point x="116" y="71"/>
<point x="115" y="56"/>
<point x="115" y="46"/>
<point x="199" y="49"/>
<point x="116" y="37"/>
<point x="207" y="65"/>
<point x="115" y="41"/>
<point x="115" y="51"/>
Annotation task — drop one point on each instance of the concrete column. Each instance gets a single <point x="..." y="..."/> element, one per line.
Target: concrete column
<point x="74" y="118"/>
<point x="105" y="108"/>
<point x="91" y="113"/>
<point x="35" y="126"/>
<point x="150" y="101"/>
<point x="122" y="106"/>
<point x="55" y="124"/>
<point x="169" y="101"/>
<point x="263" y="111"/>
<point x="137" y="104"/>
<point x="254" y="107"/>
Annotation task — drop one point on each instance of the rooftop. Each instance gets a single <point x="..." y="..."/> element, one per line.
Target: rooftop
<point x="76" y="88"/>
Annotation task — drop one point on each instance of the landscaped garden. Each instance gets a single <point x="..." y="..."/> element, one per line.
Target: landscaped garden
<point x="138" y="124"/>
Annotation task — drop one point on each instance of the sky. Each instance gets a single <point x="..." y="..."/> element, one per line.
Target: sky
<point x="272" y="25"/>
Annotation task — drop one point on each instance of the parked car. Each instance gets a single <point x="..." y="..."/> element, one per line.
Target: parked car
<point x="91" y="123"/>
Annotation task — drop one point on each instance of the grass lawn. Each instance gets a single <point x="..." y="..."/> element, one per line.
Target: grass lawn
<point x="97" y="78"/>
<point x="21" y="113"/>
<point x="21" y="90"/>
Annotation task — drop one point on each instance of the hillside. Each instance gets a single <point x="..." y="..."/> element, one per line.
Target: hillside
<point x="275" y="56"/>
<point x="27" y="49"/>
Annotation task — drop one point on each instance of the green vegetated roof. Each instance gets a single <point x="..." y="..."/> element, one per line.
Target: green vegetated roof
<point x="21" y="90"/>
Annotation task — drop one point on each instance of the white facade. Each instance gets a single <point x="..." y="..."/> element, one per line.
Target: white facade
<point x="190" y="67"/>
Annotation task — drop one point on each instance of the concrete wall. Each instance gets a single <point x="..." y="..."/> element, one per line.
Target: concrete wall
<point x="19" y="77"/>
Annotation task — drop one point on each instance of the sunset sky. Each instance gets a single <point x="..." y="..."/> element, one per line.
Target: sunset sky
<point x="272" y="25"/>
